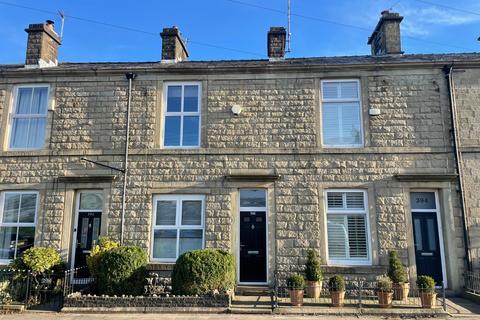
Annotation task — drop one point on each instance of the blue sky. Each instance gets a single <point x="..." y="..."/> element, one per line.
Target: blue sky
<point x="230" y="24"/>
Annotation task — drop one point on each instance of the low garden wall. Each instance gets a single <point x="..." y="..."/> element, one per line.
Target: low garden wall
<point x="78" y="302"/>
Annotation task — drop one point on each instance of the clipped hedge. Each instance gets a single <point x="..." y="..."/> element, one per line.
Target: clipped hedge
<point x="203" y="271"/>
<point x="122" y="271"/>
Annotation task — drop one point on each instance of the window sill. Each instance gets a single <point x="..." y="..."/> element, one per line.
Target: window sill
<point x="357" y="269"/>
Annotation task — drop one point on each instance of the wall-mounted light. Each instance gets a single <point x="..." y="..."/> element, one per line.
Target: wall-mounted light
<point x="236" y="109"/>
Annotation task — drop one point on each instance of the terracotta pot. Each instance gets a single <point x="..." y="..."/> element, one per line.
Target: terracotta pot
<point x="314" y="288"/>
<point x="385" y="299"/>
<point x="400" y="291"/>
<point x="428" y="299"/>
<point x="296" y="297"/>
<point x="338" y="298"/>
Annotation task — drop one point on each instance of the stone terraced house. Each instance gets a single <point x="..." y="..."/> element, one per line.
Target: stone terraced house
<point x="351" y="156"/>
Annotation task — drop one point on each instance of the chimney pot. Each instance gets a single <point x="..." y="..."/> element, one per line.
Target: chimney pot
<point x="42" y="45"/>
<point x="173" y="46"/>
<point x="276" y="40"/>
<point x="385" y="38"/>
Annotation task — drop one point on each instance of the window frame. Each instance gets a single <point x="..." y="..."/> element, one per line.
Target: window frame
<point x="18" y="224"/>
<point x="359" y="100"/>
<point x="12" y="115"/>
<point x="181" y="113"/>
<point x="345" y="212"/>
<point x="178" y="222"/>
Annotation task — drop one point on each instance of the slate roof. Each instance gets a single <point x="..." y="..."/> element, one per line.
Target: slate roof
<point x="448" y="58"/>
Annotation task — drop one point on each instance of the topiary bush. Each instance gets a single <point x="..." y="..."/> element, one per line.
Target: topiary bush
<point x="336" y="283"/>
<point x="396" y="271"/>
<point x="426" y="284"/>
<point x="122" y="270"/>
<point x="313" y="270"/>
<point x="104" y="244"/>
<point x="203" y="271"/>
<point x="296" y="282"/>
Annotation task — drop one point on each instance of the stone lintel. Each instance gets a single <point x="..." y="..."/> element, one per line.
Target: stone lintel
<point x="86" y="179"/>
<point x="419" y="177"/>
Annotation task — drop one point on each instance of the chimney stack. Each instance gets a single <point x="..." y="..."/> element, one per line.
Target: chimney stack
<point x="42" y="45"/>
<point x="173" y="46"/>
<point x="276" y="40"/>
<point x="385" y="39"/>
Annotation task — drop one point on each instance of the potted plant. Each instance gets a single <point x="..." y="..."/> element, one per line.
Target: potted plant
<point x="336" y="286"/>
<point x="314" y="275"/>
<point x="296" y="284"/>
<point x="384" y="292"/>
<point x="426" y="287"/>
<point x="398" y="274"/>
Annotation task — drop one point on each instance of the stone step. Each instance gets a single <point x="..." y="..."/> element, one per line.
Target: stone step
<point x="252" y="291"/>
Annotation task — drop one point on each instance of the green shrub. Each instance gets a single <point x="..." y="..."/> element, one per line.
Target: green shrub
<point x="396" y="271"/>
<point x="5" y="296"/>
<point x="296" y="282"/>
<point x="122" y="270"/>
<point x="384" y="284"/>
<point x="313" y="270"/>
<point x="37" y="260"/>
<point x="203" y="271"/>
<point x="336" y="283"/>
<point x="426" y="284"/>
<point x="104" y="244"/>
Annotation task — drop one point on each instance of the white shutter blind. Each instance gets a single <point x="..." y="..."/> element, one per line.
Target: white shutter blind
<point x="337" y="237"/>
<point x="357" y="236"/>
<point x="331" y="90"/>
<point x="331" y="119"/>
<point x="355" y="200"/>
<point x="349" y="90"/>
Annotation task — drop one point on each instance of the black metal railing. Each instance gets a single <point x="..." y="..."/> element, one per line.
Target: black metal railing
<point x="358" y="293"/>
<point x="40" y="290"/>
<point x="472" y="282"/>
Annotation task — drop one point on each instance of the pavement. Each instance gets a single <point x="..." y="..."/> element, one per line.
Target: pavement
<point x="136" y="316"/>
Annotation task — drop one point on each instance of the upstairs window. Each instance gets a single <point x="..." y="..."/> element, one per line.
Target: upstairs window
<point x="18" y="211"/>
<point x="29" y="118"/>
<point x="347" y="227"/>
<point x="182" y="115"/>
<point x="341" y="113"/>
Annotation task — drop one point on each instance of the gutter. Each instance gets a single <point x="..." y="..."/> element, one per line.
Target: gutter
<point x="130" y="77"/>
<point x="448" y="70"/>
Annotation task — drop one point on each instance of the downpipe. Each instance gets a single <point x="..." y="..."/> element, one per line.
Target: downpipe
<point x="130" y="77"/>
<point x="448" y="70"/>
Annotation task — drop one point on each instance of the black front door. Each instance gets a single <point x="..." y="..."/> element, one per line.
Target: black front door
<point x="88" y="231"/>
<point x="253" y="249"/>
<point x="427" y="245"/>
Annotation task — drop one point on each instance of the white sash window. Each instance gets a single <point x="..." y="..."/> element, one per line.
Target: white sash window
<point x="29" y="118"/>
<point x="341" y="113"/>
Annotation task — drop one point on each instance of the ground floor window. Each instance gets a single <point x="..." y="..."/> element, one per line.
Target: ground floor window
<point x="178" y="226"/>
<point x="18" y="211"/>
<point x="347" y="227"/>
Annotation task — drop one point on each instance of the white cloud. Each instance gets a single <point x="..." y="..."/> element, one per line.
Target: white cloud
<point x="434" y="15"/>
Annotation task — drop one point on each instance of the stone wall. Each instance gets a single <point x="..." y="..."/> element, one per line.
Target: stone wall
<point x="278" y="129"/>
<point x="467" y="85"/>
<point x="173" y="302"/>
